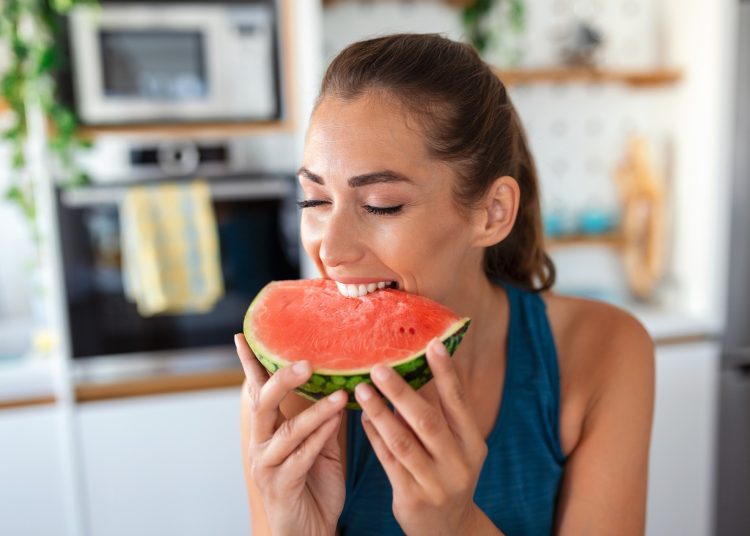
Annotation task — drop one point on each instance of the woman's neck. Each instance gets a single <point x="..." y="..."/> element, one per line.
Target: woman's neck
<point x="487" y="305"/>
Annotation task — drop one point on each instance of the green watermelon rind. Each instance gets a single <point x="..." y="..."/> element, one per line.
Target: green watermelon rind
<point x="414" y="368"/>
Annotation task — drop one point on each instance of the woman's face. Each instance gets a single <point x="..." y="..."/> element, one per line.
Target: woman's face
<point x="377" y="208"/>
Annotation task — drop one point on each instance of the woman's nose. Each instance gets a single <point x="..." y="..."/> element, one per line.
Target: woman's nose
<point x="340" y="242"/>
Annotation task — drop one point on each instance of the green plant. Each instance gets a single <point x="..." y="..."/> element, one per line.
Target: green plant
<point x="29" y="29"/>
<point x="484" y="32"/>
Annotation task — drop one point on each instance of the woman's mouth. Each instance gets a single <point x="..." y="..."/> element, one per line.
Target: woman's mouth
<point x="362" y="289"/>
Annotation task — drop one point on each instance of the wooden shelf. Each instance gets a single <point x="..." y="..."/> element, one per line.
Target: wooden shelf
<point x="25" y="402"/>
<point x="613" y="240"/>
<point x="557" y="75"/>
<point x="217" y="129"/>
<point x="208" y="129"/>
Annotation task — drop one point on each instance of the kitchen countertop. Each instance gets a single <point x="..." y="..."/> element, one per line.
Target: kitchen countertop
<point x="158" y="373"/>
<point x="674" y="328"/>
<point x="27" y="381"/>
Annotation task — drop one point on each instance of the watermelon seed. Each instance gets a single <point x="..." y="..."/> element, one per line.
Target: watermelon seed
<point x="411" y="330"/>
<point x="401" y="329"/>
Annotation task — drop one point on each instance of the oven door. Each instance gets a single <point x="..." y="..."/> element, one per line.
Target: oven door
<point x="138" y="63"/>
<point x="259" y="241"/>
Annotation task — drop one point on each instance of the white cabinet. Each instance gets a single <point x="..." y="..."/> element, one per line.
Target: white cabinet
<point x="681" y="469"/>
<point x="166" y="464"/>
<point x="171" y="464"/>
<point x="31" y="472"/>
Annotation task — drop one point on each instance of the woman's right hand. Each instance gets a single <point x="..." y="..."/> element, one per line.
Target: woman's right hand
<point x="296" y="463"/>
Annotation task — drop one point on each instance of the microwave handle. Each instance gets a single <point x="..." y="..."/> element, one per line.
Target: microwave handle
<point x="220" y="191"/>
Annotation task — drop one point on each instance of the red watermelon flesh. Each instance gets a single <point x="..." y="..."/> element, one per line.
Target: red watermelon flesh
<point x="382" y="327"/>
<point x="343" y="337"/>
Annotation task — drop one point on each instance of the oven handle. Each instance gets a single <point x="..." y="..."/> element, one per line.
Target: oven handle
<point x="239" y="189"/>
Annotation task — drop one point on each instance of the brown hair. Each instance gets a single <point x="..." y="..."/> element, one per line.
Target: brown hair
<point x="469" y="122"/>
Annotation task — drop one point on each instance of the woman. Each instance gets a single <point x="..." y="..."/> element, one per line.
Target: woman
<point x="416" y="171"/>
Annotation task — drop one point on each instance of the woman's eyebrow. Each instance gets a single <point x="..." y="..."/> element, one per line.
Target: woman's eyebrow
<point x="359" y="180"/>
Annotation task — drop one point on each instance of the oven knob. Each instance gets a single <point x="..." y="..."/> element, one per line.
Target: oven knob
<point x="178" y="157"/>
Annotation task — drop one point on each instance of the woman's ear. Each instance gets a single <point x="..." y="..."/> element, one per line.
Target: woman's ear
<point x="498" y="211"/>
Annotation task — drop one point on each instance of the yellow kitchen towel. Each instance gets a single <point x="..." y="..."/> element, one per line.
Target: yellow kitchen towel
<point x="170" y="248"/>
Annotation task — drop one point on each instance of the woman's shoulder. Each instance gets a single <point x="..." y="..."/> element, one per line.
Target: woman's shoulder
<point x="600" y="347"/>
<point x="591" y="327"/>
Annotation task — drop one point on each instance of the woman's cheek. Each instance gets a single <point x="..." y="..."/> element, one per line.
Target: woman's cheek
<point x="310" y="234"/>
<point x="398" y="242"/>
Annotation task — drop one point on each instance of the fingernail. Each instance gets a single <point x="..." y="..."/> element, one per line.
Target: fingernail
<point x="363" y="391"/>
<point x="336" y="397"/>
<point x="365" y="417"/>
<point x="381" y="372"/>
<point x="236" y="341"/>
<point x="300" y="368"/>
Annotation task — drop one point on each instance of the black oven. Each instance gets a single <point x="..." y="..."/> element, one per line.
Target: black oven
<point x="258" y="232"/>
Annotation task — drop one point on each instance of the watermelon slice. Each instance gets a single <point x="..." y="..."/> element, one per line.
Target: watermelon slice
<point x="342" y="337"/>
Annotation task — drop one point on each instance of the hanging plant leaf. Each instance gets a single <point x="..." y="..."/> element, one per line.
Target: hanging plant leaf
<point x="517" y="15"/>
<point x="46" y="61"/>
<point x="478" y="29"/>
<point x="34" y="56"/>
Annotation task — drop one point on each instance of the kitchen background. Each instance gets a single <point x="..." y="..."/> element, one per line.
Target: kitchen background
<point x="121" y="421"/>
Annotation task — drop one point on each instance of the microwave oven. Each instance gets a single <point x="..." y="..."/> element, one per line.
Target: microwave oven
<point x="171" y="62"/>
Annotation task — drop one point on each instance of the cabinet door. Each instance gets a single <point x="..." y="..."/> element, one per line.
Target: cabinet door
<point x="681" y="469"/>
<point x="167" y="464"/>
<point x="31" y="472"/>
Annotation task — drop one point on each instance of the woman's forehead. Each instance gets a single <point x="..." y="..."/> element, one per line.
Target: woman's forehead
<point x="366" y="132"/>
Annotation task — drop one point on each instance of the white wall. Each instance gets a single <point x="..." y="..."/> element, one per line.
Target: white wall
<point x="630" y="27"/>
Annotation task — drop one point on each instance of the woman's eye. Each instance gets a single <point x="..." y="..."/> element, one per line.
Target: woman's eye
<point x="307" y="203"/>
<point x="383" y="210"/>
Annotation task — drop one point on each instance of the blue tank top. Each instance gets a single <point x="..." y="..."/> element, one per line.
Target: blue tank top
<point x="519" y="482"/>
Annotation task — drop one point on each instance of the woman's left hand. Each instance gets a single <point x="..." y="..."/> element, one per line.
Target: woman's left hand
<point x="432" y="455"/>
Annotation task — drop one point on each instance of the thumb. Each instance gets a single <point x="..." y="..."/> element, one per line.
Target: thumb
<point x="331" y="448"/>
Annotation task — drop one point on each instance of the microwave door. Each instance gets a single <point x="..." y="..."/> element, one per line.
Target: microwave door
<point x="153" y="65"/>
<point x="156" y="74"/>
<point x="135" y="64"/>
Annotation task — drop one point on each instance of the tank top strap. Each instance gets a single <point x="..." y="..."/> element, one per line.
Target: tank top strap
<point x="531" y="331"/>
<point x="532" y="362"/>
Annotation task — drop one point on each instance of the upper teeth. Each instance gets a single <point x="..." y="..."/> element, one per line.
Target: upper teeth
<point x="354" y="291"/>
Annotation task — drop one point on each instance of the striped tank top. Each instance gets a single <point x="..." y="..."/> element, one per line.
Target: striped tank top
<point x="520" y="479"/>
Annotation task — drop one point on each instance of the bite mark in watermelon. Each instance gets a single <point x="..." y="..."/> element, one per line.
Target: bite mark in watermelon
<point x="342" y="337"/>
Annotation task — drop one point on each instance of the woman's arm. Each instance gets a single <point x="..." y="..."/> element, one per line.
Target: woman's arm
<point x="605" y="482"/>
